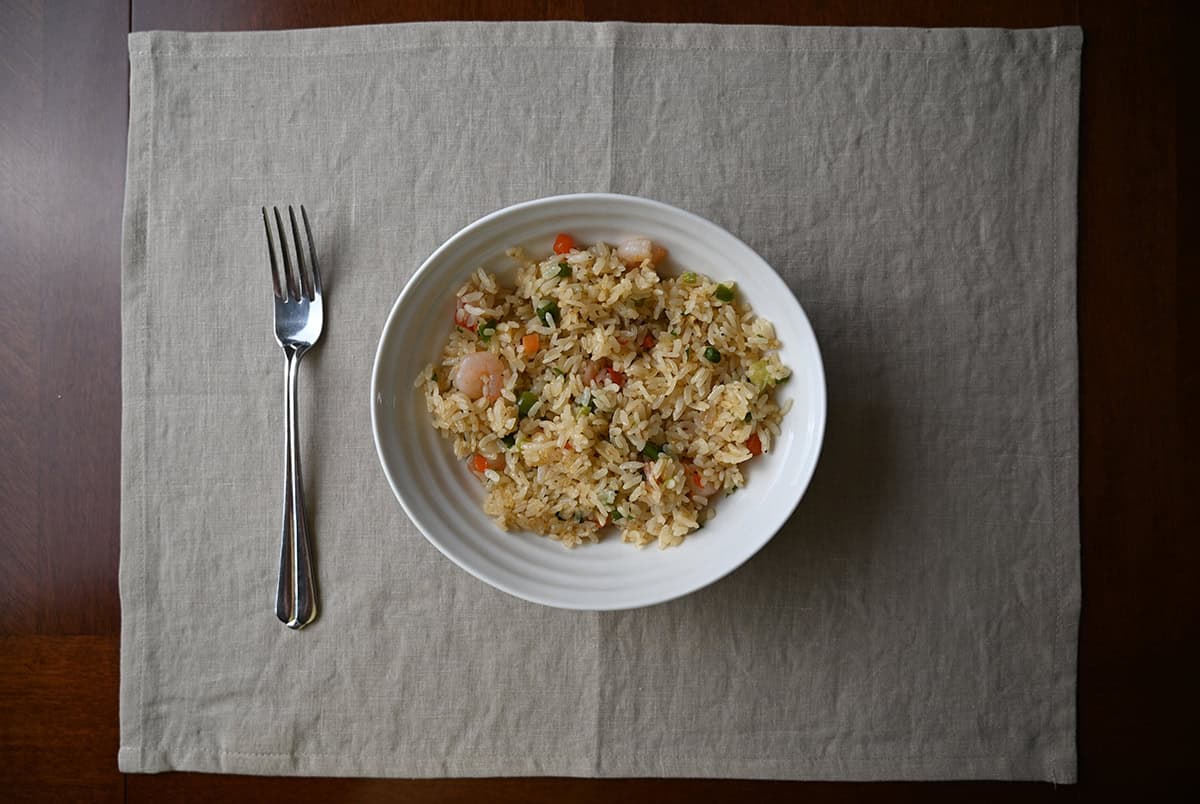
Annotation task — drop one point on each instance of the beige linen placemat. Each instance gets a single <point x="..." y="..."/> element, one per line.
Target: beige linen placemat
<point x="916" y="618"/>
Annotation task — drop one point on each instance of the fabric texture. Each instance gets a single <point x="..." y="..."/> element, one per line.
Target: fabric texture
<point x="915" y="619"/>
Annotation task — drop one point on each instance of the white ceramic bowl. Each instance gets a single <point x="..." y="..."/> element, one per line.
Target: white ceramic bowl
<point x="445" y="501"/>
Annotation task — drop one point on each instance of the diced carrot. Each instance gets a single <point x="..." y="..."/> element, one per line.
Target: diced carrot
<point x="563" y="243"/>
<point x="754" y="444"/>
<point x="696" y="481"/>
<point x="617" y="377"/>
<point x="569" y="448"/>
<point x="479" y="463"/>
<point x="648" y="341"/>
<point x="530" y="343"/>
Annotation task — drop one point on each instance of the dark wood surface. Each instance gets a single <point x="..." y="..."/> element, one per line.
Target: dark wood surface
<point x="63" y="114"/>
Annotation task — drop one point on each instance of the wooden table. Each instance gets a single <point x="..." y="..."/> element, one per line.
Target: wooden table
<point x="63" y="115"/>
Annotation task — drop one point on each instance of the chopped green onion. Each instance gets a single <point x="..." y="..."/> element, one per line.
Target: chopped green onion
<point x="433" y="376"/>
<point x="724" y="293"/>
<point x="557" y="371"/>
<point x="675" y="332"/>
<point x="548" y="313"/>
<point x="689" y="278"/>
<point x="617" y="515"/>
<point x="564" y="270"/>
<point x="509" y="440"/>
<point x="712" y="355"/>
<point x="651" y="450"/>
<point x="486" y="330"/>
<point x="782" y="380"/>
<point x="460" y="329"/>
<point x="748" y="418"/>
<point x="525" y="401"/>
<point x="578" y="517"/>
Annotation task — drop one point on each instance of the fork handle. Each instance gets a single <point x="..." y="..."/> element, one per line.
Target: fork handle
<point x="296" y="597"/>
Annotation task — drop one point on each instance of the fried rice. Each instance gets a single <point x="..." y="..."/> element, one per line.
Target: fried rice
<point x="600" y="395"/>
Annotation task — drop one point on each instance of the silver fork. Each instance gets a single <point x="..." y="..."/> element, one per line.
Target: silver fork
<point x="299" y="318"/>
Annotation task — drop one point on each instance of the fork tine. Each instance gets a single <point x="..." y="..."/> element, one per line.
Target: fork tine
<point x="306" y="286"/>
<point x="312" y="252"/>
<point x="271" y="251"/>
<point x="289" y="277"/>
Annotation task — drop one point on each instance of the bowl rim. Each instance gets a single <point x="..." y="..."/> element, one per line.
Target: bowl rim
<point x="818" y="419"/>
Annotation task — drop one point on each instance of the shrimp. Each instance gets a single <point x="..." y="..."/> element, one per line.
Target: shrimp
<point x="698" y="486"/>
<point x="463" y="318"/>
<point x="633" y="251"/>
<point x="590" y="370"/>
<point x="480" y="374"/>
